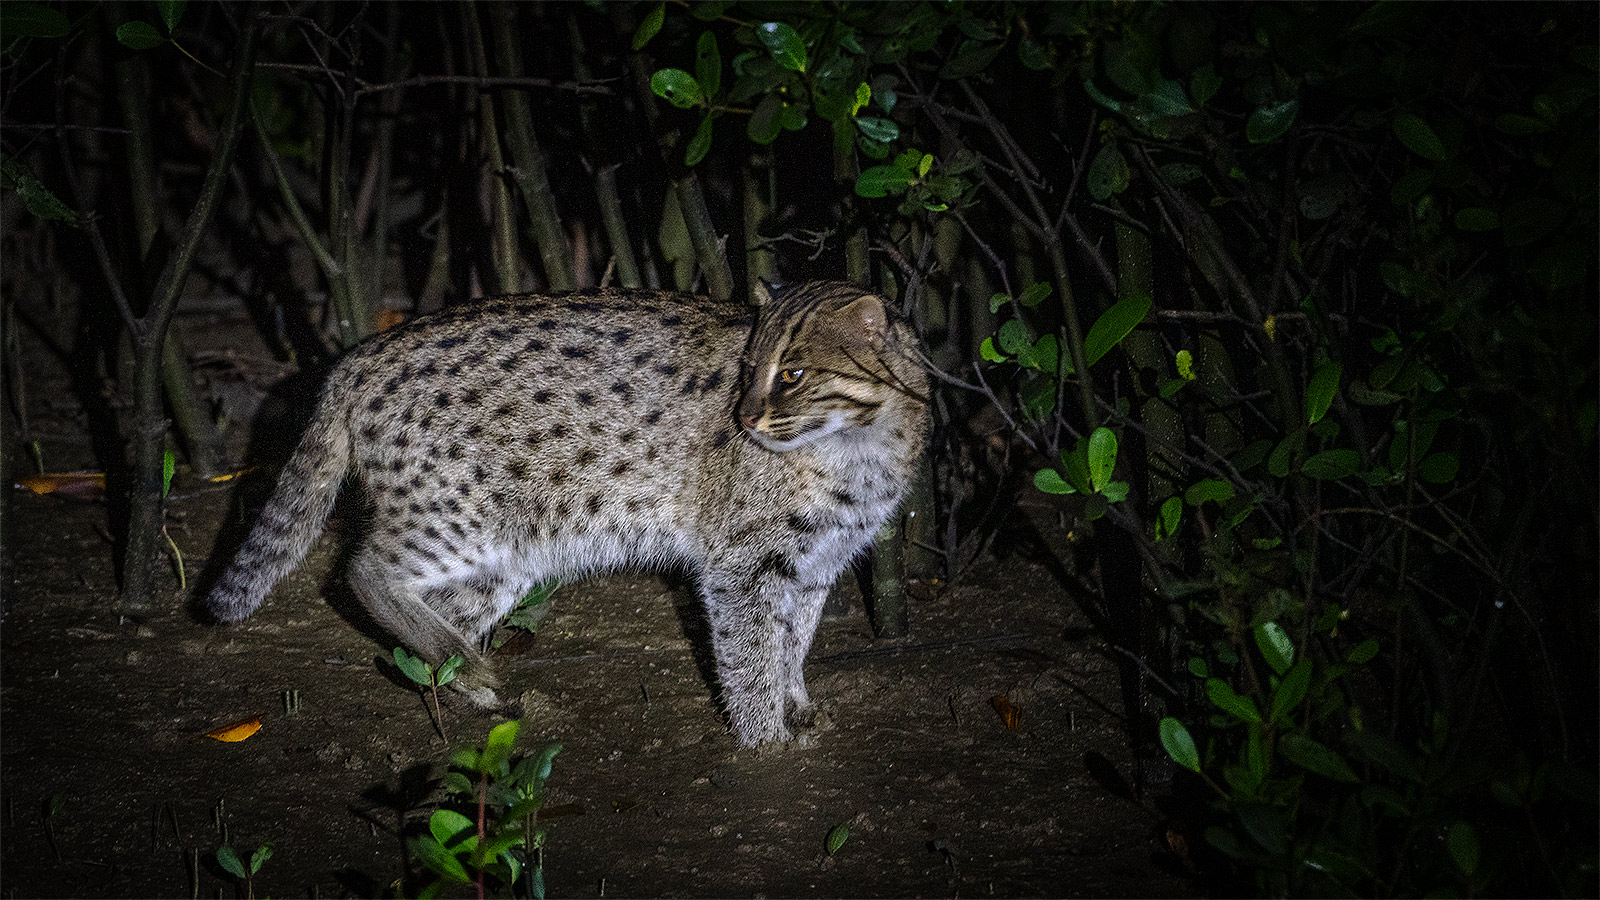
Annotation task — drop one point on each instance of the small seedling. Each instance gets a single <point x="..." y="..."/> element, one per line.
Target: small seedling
<point x="837" y="835"/>
<point x="530" y="610"/>
<point x="464" y="849"/>
<point x="423" y="675"/>
<point x="169" y="465"/>
<point x="230" y="861"/>
<point x="51" y="807"/>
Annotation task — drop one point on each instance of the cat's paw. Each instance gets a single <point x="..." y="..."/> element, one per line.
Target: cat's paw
<point x="480" y="700"/>
<point x="803" y="716"/>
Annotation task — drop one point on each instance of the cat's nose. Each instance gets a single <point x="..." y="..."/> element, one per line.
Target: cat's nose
<point x="749" y="421"/>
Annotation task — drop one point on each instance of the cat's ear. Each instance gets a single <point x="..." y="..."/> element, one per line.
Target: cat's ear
<point x="868" y="319"/>
<point x="760" y="292"/>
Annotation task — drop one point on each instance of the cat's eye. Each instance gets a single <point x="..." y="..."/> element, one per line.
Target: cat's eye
<point x="791" y="376"/>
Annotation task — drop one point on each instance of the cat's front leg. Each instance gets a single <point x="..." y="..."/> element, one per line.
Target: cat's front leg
<point x="796" y="626"/>
<point x="750" y="665"/>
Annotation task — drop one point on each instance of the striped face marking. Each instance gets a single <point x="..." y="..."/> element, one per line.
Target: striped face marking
<point x="812" y="368"/>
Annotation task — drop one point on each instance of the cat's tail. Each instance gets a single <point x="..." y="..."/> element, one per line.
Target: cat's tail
<point x="293" y="518"/>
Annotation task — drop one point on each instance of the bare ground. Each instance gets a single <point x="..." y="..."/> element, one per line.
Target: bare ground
<point x="649" y="797"/>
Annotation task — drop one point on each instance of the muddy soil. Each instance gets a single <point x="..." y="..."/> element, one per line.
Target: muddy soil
<point x="942" y="794"/>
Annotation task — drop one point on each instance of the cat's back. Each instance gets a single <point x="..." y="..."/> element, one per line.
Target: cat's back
<point x="486" y="409"/>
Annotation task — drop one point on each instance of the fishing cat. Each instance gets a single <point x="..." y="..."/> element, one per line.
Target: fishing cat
<point x="514" y="440"/>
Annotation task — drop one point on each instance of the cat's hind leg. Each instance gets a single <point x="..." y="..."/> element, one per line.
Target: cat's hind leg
<point x="436" y="619"/>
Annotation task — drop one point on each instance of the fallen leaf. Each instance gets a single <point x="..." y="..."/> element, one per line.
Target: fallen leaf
<point x="229" y="476"/>
<point x="388" y="318"/>
<point x="1009" y="714"/>
<point x="81" y="485"/>
<point x="236" y="731"/>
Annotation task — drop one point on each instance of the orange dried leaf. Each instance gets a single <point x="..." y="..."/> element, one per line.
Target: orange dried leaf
<point x="83" y="485"/>
<point x="229" y="476"/>
<point x="1009" y="714"/>
<point x="388" y="318"/>
<point x="236" y="731"/>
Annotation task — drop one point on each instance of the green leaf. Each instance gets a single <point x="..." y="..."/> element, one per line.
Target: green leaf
<point x="263" y="852"/>
<point x="650" y="26"/>
<point x="1109" y="173"/>
<point x="1179" y="745"/>
<point x="1171" y="515"/>
<point x="1168" y="99"/>
<point x="783" y="42"/>
<point x="874" y="128"/>
<point x="1075" y="468"/>
<point x="763" y="126"/>
<point x="1045" y="355"/>
<point x="448" y="826"/>
<point x="1439" y="468"/>
<point x="1409" y="187"/>
<point x="169" y="464"/>
<point x="1227" y="700"/>
<point x="1185" y="363"/>
<point x="1208" y="489"/>
<point x="1113" y="325"/>
<point x="988" y="352"/>
<point x="1291" y="690"/>
<point x="1332" y="465"/>
<point x="678" y="88"/>
<point x="547" y="758"/>
<point x="1462" y="839"/>
<point x="1419" y="137"/>
<point x="1013" y="337"/>
<point x="1204" y="84"/>
<point x="1363" y="652"/>
<point x="1283" y="455"/>
<point x="139" y="35"/>
<point x="413" y="667"/>
<point x="1102" y="457"/>
<point x="708" y="63"/>
<point x="710" y="10"/>
<point x="700" y="144"/>
<point x="881" y="181"/>
<point x="1265" y="825"/>
<point x="1034" y="294"/>
<point x="972" y="57"/>
<point x="1177" y="174"/>
<point x="229" y="861"/>
<point x="1099" y="97"/>
<point x="1033" y="55"/>
<point x="1275" y="646"/>
<point x="447" y="670"/>
<point x="498" y="748"/>
<point x="1308" y="754"/>
<point x="32" y="191"/>
<point x="1477" y="218"/>
<point x="863" y="97"/>
<point x="1115" y="491"/>
<point x="439" y="860"/>
<point x="171" y="12"/>
<point x="1516" y="124"/>
<point x="1320" y="394"/>
<point x="455" y="783"/>
<point x="837" y="835"/>
<point x="31" y="20"/>
<point x="1268" y="122"/>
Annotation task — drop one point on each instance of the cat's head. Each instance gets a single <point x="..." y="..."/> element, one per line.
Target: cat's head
<point x="815" y="364"/>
